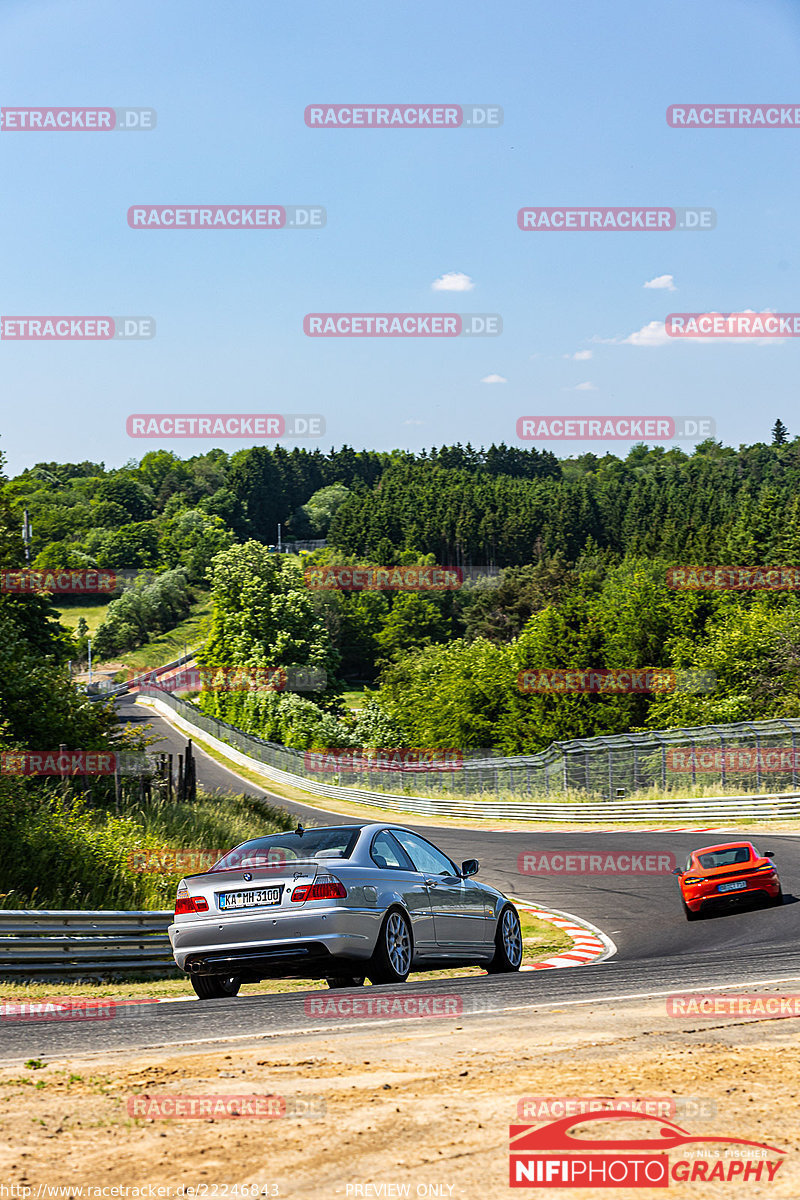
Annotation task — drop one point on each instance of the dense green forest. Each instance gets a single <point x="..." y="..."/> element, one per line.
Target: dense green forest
<point x="503" y="506"/>
<point x="567" y="567"/>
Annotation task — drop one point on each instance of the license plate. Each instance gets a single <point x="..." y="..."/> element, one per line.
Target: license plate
<point x="732" y="887"/>
<point x="258" y="898"/>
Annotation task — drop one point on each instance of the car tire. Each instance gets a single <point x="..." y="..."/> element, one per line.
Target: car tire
<point x="215" y="987"/>
<point x="687" y="912"/>
<point x="391" y="961"/>
<point x="507" y="942"/>
<point x="776" y="901"/>
<point x="343" y="981"/>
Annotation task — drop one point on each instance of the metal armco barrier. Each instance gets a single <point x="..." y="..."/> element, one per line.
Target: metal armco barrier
<point x="120" y="689"/>
<point x="72" y="942"/>
<point x="511" y="773"/>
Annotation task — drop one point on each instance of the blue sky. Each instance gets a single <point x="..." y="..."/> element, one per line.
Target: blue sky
<point x="584" y="89"/>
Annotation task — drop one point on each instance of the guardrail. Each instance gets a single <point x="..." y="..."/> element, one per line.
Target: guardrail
<point x="251" y="752"/>
<point x="62" y="942"/>
<point x="120" y="689"/>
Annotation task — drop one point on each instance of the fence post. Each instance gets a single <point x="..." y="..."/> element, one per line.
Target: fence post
<point x="117" y="784"/>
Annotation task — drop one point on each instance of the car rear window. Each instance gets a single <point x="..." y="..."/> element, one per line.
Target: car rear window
<point x="724" y="858"/>
<point x="278" y="848"/>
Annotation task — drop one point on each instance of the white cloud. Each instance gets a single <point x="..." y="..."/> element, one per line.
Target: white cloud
<point x="662" y="282"/>
<point x="580" y="355"/>
<point x="652" y="334"/>
<point x="582" y="387"/>
<point x="453" y="281"/>
<point x="411" y="422"/>
<point x="655" y="334"/>
<point x="494" y="379"/>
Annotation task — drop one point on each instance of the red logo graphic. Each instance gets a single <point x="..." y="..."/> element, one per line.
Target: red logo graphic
<point x="550" y="1156"/>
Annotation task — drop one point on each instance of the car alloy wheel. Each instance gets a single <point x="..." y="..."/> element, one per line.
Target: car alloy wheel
<point x="391" y="961"/>
<point x="398" y="943"/>
<point x="508" y="943"/>
<point x="512" y="937"/>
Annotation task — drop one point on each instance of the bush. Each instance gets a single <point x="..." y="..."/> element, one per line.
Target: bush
<point x="142" y="610"/>
<point x="62" y="854"/>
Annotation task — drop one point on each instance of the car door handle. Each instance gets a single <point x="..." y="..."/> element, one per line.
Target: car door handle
<point x="431" y="882"/>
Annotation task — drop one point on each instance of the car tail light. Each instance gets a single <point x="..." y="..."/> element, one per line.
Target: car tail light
<point x="767" y="867"/>
<point x="691" y="879"/>
<point x="324" y="887"/>
<point x="190" y="904"/>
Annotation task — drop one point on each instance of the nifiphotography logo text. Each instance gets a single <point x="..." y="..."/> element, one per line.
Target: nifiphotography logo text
<point x="552" y="1155"/>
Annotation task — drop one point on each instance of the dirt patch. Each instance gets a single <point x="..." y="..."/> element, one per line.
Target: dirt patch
<point x="423" y="1104"/>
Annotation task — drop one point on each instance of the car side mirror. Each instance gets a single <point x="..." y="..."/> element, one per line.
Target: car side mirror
<point x="677" y="871"/>
<point x="769" y="854"/>
<point x="470" y="866"/>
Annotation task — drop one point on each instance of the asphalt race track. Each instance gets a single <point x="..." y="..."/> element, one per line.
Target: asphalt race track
<point x="659" y="952"/>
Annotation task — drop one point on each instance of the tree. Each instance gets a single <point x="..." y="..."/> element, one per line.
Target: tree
<point x="780" y="433"/>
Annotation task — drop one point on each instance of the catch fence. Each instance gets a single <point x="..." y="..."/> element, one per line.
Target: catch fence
<point x="752" y="757"/>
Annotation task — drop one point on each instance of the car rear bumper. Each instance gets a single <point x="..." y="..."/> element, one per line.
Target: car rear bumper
<point x="762" y="889"/>
<point x="265" y="943"/>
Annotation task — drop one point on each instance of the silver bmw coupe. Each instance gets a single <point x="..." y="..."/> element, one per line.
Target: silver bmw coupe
<point x="344" y="903"/>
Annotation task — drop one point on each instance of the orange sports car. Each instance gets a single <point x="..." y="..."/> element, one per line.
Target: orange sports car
<point x="722" y="874"/>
